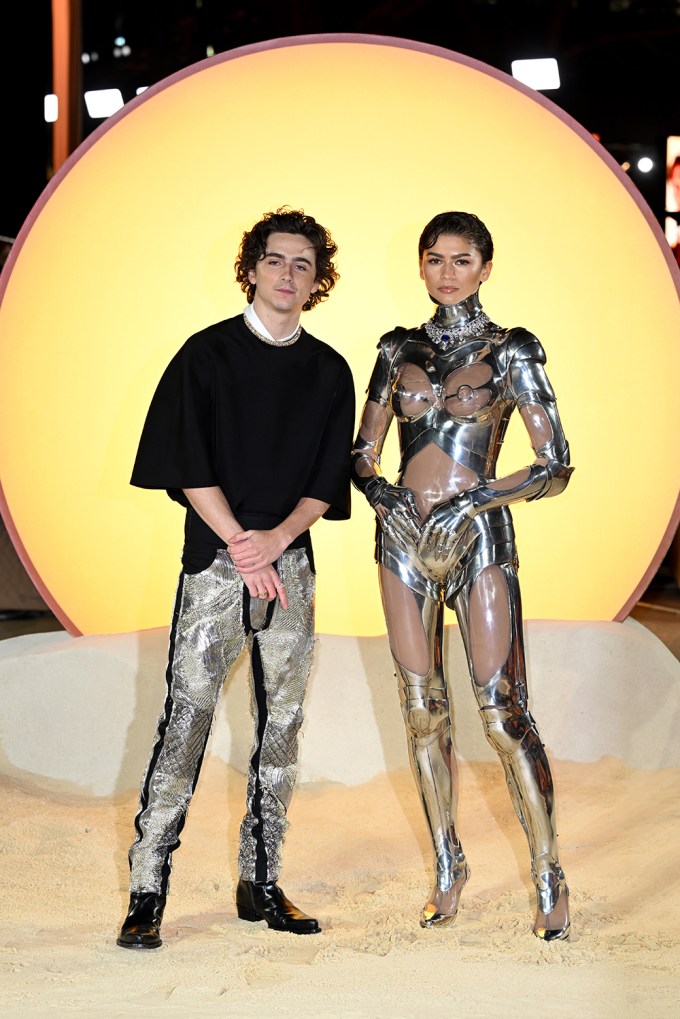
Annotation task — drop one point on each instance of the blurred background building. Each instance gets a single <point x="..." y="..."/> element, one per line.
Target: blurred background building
<point x="618" y="61"/>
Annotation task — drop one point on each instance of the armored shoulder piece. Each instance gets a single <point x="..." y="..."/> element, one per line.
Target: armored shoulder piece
<point x="524" y="359"/>
<point x="388" y="346"/>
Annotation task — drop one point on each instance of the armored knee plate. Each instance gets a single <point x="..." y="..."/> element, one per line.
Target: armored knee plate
<point x="509" y="730"/>
<point x="424" y="704"/>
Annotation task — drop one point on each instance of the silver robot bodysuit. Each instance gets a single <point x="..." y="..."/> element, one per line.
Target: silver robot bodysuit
<point x="445" y="530"/>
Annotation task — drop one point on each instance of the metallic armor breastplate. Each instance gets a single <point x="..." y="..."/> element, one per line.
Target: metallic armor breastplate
<point x="455" y="398"/>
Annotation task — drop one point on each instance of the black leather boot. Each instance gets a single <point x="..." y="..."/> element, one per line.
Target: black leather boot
<point x="266" y="901"/>
<point x="142" y="926"/>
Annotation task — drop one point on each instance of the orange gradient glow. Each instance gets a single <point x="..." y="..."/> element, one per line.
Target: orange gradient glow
<point x="131" y="249"/>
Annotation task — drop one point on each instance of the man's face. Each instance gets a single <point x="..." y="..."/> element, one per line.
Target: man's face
<point x="285" y="276"/>
<point x="453" y="269"/>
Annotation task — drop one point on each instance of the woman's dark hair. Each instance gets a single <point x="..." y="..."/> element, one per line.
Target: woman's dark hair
<point x="288" y="221"/>
<point x="463" y="224"/>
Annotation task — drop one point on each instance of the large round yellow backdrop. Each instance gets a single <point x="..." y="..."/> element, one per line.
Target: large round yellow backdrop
<point x="131" y="249"/>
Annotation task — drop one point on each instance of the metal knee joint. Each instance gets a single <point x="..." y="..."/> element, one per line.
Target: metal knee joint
<point x="508" y="728"/>
<point x="424" y="704"/>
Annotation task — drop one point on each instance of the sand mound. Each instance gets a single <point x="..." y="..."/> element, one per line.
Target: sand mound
<point x="358" y="858"/>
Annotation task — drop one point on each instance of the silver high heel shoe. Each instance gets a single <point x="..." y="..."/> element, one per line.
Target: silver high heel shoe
<point x="551" y="885"/>
<point x="431" y="916"/>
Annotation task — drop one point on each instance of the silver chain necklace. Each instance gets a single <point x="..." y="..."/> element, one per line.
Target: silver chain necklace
<point x="274" y="343"/>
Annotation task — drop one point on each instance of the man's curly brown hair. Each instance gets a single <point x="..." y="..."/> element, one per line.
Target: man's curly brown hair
<point x="288" y="221"/>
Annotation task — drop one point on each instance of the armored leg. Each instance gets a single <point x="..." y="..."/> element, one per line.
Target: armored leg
<point x="206" y="638"/>
<point x="489" y="612"/>
<point x="425" y="707"/>
<point x="281" y="660"/>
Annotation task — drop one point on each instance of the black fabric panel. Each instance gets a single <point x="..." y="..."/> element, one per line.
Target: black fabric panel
<point x="268" y="425"/>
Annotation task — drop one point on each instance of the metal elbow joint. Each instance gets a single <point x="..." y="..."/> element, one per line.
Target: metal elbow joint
<point x="556" y="477"/>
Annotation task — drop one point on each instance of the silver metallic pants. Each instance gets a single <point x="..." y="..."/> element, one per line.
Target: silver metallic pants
<point x="214" y="620"/>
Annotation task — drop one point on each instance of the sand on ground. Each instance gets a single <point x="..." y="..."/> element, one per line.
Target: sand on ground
<point x="358" y="858"/>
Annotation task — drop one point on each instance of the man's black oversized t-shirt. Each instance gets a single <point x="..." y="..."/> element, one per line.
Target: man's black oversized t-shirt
<point x="268" y="424"/>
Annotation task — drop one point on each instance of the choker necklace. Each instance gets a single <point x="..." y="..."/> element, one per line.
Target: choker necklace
<point x="452" y="323"/>
<point x="448" y="336"/>
<point x="274" y="343"/>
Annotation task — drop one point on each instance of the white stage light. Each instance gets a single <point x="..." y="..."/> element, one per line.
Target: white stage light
<point x="541" y="74"/>
<point x="51" y="108"/>
<point x="142" y="88"/>
<point x="645" y="164"/>
<point x="102" y="102"/>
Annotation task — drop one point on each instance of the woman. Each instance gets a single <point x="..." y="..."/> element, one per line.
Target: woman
<point x="445" y="537"/>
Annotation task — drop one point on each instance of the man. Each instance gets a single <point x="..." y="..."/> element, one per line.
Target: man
<point x="250" y="430"/>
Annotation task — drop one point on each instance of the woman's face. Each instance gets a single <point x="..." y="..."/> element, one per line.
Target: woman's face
<point x="453" y="269"/>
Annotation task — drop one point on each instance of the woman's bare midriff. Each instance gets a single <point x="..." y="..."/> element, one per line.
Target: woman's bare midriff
<point x="433" y="476"/>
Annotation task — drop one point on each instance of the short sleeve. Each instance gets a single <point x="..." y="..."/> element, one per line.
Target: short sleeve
<point x="329" y="479"/>
<point x="176" y="448"/>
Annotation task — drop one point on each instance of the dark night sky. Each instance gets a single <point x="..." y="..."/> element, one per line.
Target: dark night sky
<point x="618" y="60"/>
